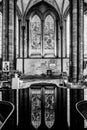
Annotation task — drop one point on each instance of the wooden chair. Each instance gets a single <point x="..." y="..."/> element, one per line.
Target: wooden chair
<point x="81" y="107"/>
<point x="6" y="110"/>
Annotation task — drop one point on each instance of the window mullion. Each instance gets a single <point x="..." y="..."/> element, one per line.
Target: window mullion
<point x="42" y="31"/>
<point x="65" y="22"/>
<point x="19" y="22"/>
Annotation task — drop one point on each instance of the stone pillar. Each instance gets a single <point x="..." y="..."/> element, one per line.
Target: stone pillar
<point x="23" y="37"/>
<point x="81" y="39"/>
<point x="65" y="40"/>
<point x="28" y="38"/>
<point x="9" y="46"/>
<point x="5" y="30"/>
<point x="12" y="22"/>
<point x="76" y="46"/>
<point x="61" y="29"/>
<point x="19" y="26"/>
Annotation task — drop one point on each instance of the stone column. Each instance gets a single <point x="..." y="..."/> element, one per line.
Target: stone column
<point x="81" y="39"/>
<point x="12" y="23"/>
<point x="61" y="29"/>
<point x="5" y="30"/>
<point x="23" y="37"/>
<point x="28" y="38"/>
<point x="76" y="46"/>
<point x="9" y="46"/>
<point x="65" y="40"/>
<point x="19" y="26"/>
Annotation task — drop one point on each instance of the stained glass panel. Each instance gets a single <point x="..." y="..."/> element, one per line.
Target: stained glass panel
<point x="36" y="107"/>
<point x="35" y="36"/>
<point x="68" y="35"/>
<point x="49" y="38"/>
<point x="25" y="43"/>
<point x="49" y="107"/>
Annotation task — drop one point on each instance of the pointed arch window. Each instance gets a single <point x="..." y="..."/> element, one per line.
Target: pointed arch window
<point x="35" y="36"/>
<point x="49" y="46"/>
<point x="42" y="37"/>
<point x="68" y="35"/>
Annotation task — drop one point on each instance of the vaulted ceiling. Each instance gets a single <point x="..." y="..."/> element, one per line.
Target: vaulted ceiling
<point x="60" y="5"/>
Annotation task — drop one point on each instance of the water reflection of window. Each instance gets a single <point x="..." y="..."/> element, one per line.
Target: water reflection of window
<point x="36" y="107"/>
<point x="42" y="38"/>
<point x="49" y="107"/>
<point x="0" y="34"/>
<point x="35" y="36"/>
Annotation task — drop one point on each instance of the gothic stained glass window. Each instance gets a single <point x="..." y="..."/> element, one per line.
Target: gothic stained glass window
<point x="49" y="107"/>
<point x="68" y="35"/>
<point x="25" y="43"/>
<point x="42" y="36"/>
<point x="35" y="36"/>
<point x="36" y="107"/>
<point x="49" y="39"/>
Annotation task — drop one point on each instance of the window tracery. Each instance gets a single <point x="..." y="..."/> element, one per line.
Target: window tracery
<point x="42" y="39"/>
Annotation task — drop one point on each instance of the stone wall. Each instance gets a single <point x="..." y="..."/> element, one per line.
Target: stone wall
<point x="40" y="66"/>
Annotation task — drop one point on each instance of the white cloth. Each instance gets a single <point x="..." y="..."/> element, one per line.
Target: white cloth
<point x="15" y="83"/>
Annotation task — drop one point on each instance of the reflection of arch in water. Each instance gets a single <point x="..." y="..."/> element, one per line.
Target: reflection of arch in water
<point x="43" y="93"/>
